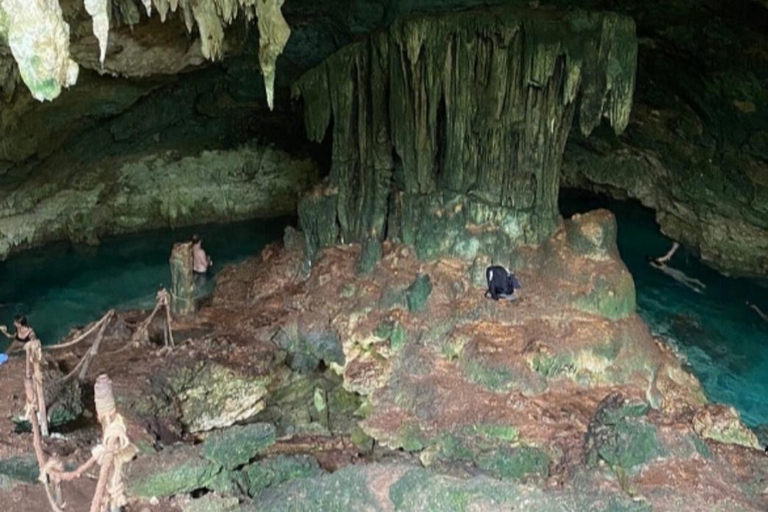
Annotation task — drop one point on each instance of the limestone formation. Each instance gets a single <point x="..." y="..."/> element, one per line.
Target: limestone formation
<point x="155" y="191"/>
<point x="448" y="131"/>
<point x="38" y="38"/>
<point x="98" y="9"/>
<point x="273" y="36"/>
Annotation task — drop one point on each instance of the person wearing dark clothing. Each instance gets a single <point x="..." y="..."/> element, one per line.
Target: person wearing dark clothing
<point x="502" y="283"/>
<point x="23" y="334"/>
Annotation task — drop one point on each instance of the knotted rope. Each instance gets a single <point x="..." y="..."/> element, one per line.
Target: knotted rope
<point x="142" y="332"/>
<point x="34" y="375"/>
<point x="114" y="451"/>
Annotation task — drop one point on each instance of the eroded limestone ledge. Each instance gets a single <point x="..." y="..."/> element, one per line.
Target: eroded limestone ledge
<point x="152" y="191"/>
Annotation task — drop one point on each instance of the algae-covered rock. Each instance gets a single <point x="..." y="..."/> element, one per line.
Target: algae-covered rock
<point x="345" y="490"/>
<point x="176" y="470"/>
<point x="236" y="446"/>
<point x="370" y="255"/>
<point x="274" y="471"/>
<point x="721" y="423"/>
<point x="621" y="436"/>
<point x="20" y="469"/>
<point x="518" y="462"/>
<point x="418" y="293"/>
<point x="308" y="345"/>
<point x="210" y="503"/>
<point x="63" y="399"/>
<point x="213" y="396"/>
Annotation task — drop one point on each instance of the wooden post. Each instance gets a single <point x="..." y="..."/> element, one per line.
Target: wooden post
<point x="183" y="291"/>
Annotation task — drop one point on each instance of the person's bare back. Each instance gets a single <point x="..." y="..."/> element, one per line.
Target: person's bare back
<point x="200" y="260"/>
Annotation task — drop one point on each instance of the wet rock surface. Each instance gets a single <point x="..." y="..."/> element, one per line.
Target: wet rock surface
<point x="556" y="401"/>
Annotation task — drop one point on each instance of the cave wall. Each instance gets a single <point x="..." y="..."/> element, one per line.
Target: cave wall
<point x="694" y="149"/>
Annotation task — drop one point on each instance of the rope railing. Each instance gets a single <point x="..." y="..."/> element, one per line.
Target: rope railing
<point x="115" y="449"/>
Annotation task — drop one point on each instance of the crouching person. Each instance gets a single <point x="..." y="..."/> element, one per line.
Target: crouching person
<point x="502" y="284"/>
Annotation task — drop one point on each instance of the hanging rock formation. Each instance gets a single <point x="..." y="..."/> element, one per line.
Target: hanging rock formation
<point x="448" y="132"/>
<point x="38" y="37"/>
<point x="98" y="9"/>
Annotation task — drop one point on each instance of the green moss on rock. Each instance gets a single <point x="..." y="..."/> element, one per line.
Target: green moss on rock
<point x="274" y="471"/>
<point x="519" y="462"/>
<point x="211" y="503"/>
<point x="236" y="446"/>
<point x="620" y="435"/>
<point x="418" y="293"/>
<point x="370" y="255"/>
<point x="173" y="471"/>
<point x="21" y="469"/>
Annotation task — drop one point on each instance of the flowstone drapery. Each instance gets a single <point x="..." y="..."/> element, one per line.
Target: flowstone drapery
<point x="448" y="131"/>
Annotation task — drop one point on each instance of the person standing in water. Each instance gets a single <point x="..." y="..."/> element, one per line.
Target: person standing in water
<point x="677" y="275"/>
<point x="24" y="332"/>
<point x="201" y="262"/>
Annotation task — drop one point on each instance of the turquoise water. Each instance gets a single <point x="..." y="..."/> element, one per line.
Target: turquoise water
<point x="723" y="340"/>
<point x="62" y="286"/>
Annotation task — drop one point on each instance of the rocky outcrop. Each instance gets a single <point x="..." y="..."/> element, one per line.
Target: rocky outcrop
<point x="448" y="131"/>
<point x="169" y="189"/>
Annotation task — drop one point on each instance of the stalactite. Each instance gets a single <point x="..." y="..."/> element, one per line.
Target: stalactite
<point x="97" y="9"/>
<point x="39" y="40"/>
<point x="476" y="108"/>
<point x="273" y="36"/>
<point x="211" y="30"/>
<point x="39" y="37"/>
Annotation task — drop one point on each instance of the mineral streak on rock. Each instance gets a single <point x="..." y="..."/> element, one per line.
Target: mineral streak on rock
<point x="39" y="40"/>
<point x="465" y="117"/>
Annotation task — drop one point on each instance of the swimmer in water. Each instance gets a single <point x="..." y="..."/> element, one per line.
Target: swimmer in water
<point x="677" y="275"/>
<point x="24" y="332"/>
<point x="760" y="313"/>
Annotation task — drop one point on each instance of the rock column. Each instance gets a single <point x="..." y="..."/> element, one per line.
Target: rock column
<point x="448" y="131"/>
<point x="183" y="291"/>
